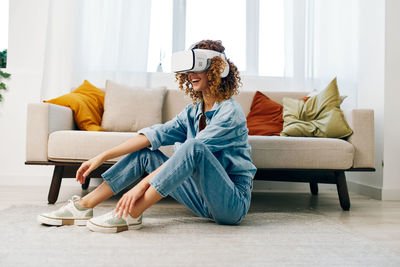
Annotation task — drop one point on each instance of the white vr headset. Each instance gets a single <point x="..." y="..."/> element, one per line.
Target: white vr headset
<point x="196" y="60"/>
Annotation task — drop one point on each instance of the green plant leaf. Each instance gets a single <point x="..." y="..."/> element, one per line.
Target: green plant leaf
<point x="3" y="59"/>
<point x="5" y="75"/>
<point x="3" y="86"/>
<point x="1" y="97"/>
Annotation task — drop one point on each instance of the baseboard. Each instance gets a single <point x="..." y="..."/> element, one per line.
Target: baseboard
<point x="362" y="189"/>
<point x="391" y="194"/>
<point x="374" y="192"/>
<point x="365" y="190"/>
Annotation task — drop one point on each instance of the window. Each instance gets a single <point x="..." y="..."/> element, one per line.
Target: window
<point x="4" y="10"/>
<point x="257" y="34"/>
<point x="210" y="19"/>
<point x="160" y="39"/>
<point x="271" y="38"/>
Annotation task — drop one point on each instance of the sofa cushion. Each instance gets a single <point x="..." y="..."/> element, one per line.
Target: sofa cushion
<point x="79" y="146"/>
<point x="319" y="116"/>
<point x="129" y="109"/>
<point x="265" y="117"/>
<point x="315" y="92"/>
<point x="267" y="151"/>
<point x="176" y="100"/>
<point x="245" y="98"/>
<point x="87" y="103"/>
<point x="301" y="152"/>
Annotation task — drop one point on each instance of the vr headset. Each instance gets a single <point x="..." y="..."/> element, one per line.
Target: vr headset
<point x="196" y="60"/>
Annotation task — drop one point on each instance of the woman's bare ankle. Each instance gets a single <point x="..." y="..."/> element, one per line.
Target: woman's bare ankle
<point x="135" y="214"/>
<point x="84" y="203"/>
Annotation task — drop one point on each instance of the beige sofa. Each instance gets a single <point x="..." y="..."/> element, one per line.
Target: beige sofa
<point x="52" y="139"/>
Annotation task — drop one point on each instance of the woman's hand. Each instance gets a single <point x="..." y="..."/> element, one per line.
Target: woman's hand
<point x="87" y="167"/>
<point x="127" y="201"/>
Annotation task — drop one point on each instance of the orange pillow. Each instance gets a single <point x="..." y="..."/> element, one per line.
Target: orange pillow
<point x="87" y="103"/>
<point x="265" y="117"/>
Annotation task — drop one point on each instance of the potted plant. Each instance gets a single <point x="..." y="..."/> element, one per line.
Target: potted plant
<point x="3" y="75"/>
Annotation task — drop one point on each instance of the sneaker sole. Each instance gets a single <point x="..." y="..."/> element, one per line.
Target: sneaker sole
<point x="110" y="230"/>
<point x="59" y="222"/>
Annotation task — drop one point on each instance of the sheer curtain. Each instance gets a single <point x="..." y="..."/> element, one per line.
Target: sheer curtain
<point x="290" y="44"/>
<point x="320" y="42"/>
<point x="95" y="40"/>
<point x="333" y="46"/>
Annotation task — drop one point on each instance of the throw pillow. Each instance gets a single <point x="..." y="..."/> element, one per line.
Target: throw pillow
<point x="315" y="92"/>
<point x="265" y="117"/>
<point x="319" y="116"/>
<point x="87" y="104"/>
<point x="129" y="109"/>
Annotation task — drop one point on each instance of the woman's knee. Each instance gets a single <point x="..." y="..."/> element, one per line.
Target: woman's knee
<point x="193" y="145"/>
<point x="142" y="154"/>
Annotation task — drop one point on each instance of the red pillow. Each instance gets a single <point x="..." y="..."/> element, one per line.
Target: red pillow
<point x="265" y="117"/>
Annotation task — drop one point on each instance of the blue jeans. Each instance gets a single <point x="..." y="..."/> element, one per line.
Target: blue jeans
<point x="193" y="176"/>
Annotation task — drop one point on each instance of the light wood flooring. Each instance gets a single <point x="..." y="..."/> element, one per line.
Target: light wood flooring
<point x="374" y="219"/>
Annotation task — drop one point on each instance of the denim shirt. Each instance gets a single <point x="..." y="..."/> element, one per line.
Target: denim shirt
<point x="225" y="134"/>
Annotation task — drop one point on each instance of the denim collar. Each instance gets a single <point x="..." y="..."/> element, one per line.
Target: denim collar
<point x="209" y="113"/>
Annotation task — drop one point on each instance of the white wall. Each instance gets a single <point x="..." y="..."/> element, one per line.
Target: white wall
<point x="391" y="174"/>
<point x="370" y="91"/>
<point x="27" y="29"/>
<point x="3" y="24"/>
<point x="378" y="88"/>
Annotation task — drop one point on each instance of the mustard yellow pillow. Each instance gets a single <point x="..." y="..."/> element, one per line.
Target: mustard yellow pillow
<point x="319" y="116"/>
<point x="87" y="103"/>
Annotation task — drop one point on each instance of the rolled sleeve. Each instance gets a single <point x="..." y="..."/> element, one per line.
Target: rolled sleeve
<point x="155" y="142"/>
<point x="168" y="133"/>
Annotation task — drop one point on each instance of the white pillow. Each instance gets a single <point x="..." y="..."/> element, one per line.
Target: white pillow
<point x="129" y="109"/>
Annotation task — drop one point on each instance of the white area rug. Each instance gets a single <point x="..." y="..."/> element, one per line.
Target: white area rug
<point x="172" y="236"/>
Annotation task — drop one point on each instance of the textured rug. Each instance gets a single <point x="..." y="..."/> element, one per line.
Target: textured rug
<point x="172" y="236"/>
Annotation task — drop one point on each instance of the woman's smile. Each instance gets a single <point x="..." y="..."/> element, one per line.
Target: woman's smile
<point x="199" y="81"/>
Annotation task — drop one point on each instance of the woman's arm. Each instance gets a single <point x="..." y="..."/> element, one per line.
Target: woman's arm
<point x="170" y="132"/>
<point x="128" y="200"/>
<point x="133" y="144"/>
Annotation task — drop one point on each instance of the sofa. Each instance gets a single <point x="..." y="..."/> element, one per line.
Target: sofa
<point x="53" y="139"/>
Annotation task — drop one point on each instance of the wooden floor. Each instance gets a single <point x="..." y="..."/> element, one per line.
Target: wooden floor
<point x="376" y="220"/>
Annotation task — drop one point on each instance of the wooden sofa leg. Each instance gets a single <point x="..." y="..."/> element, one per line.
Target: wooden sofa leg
<point x="55" y="184"/>
<point x="343" y="193"/>
<point x="314" y="188"/>
<point x="86" y="184"/>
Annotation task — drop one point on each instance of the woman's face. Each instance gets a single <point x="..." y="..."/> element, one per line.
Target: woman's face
<point x="199" y="81"/>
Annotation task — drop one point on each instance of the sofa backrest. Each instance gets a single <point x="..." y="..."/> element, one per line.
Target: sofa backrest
<point x="176" y="100"/>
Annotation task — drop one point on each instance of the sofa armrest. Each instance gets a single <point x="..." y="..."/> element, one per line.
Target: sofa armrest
<point x="361" y="122"/>
<point x="43" y="119"/>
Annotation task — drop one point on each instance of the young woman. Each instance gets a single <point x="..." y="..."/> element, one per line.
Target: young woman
<point x="210" y="171"/>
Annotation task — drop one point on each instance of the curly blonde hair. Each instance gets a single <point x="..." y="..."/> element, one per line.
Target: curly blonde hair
<point x="221" y="88"/>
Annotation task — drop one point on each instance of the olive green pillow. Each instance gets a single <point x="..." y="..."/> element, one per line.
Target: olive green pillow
<point x="319" y="116"/>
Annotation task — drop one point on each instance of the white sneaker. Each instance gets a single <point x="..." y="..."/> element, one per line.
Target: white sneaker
<point x="111" y="223"/>
<point x="70" y="214"/>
